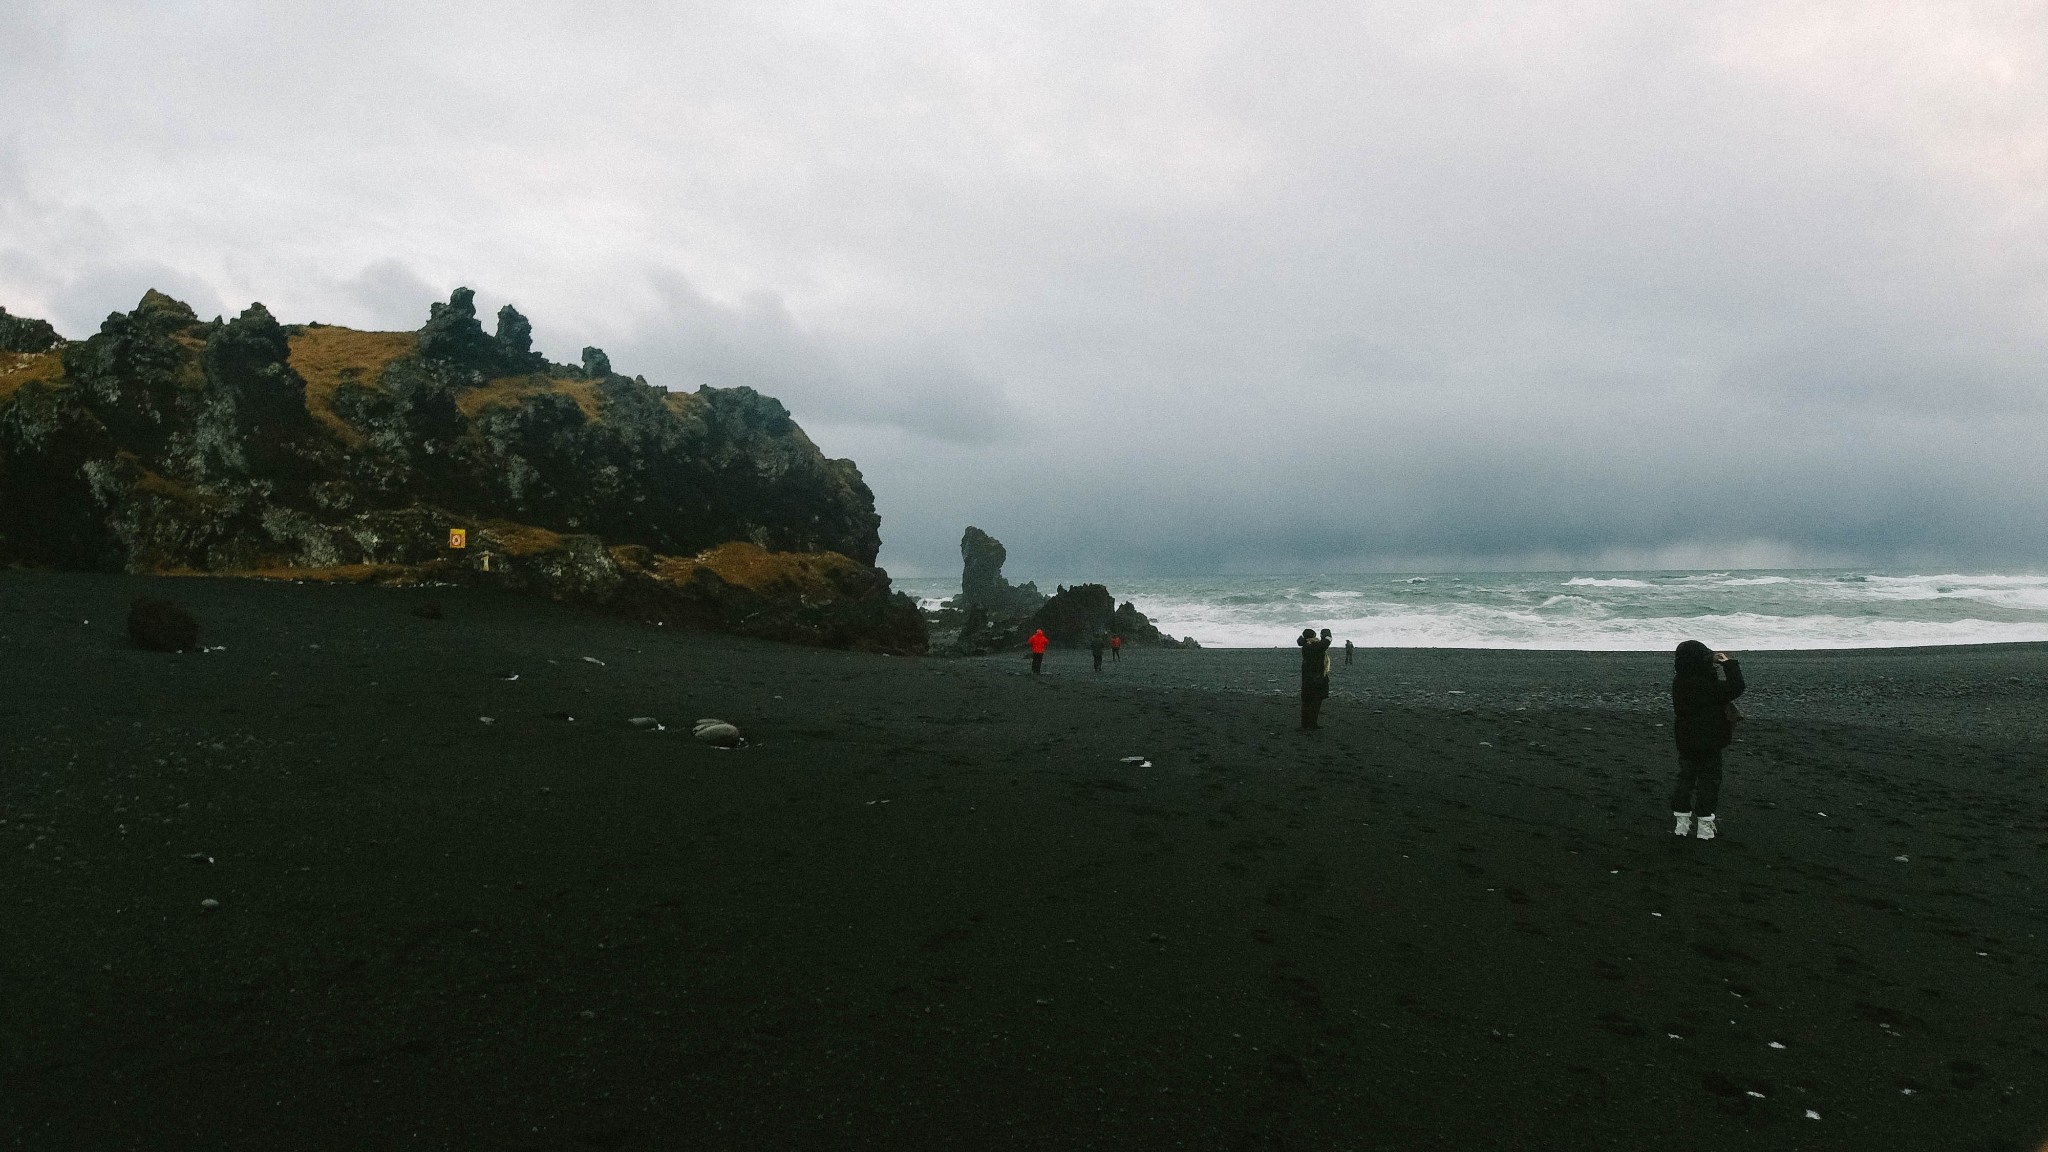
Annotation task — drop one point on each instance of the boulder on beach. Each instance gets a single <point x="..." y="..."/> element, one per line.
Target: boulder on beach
<point x="718" y="733"/>
<point x="161" y="626"/>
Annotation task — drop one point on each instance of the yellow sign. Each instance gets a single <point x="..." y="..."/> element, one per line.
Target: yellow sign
<point x="458" y="538"/>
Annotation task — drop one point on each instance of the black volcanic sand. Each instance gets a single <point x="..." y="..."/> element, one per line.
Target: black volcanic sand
<point x="928" y="907"/>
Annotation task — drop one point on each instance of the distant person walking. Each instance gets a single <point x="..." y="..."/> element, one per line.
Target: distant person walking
<point x="1347" y="653"/>
<point x="1315" y="675"/>
<point x="1116" y="648"/>
<point x="1702" y="723"/>
<point x="1095" y="646"/>
<point x="1038" y="643"/>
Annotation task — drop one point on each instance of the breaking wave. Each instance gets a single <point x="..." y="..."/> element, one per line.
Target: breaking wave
<point x="1633" y="611"/>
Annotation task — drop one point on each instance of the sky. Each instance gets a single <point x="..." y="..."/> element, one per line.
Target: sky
<point x="1174" y="288"/>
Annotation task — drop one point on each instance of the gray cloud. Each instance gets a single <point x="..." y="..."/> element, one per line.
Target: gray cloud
<point x="86" y="298"/>
<point x="389" y="296"/>
<point x="1157" y="287"/>
<point x="684" y="339"/>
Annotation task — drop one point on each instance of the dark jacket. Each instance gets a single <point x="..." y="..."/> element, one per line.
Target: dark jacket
<point x="1699" y="705"/>
<point x="1314" y="685"/>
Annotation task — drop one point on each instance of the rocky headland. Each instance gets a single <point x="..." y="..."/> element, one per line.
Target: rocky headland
<point x="168" y="444"/>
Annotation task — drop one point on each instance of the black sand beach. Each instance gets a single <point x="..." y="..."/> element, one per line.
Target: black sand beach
<point x="928" y="907"/>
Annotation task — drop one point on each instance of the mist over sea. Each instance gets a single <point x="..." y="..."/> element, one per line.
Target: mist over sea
<point x="1615" y="611"/>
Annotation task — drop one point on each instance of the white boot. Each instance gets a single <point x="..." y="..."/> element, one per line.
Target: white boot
<point x="1682" y="822"/>
<point x="1706" y="827"/>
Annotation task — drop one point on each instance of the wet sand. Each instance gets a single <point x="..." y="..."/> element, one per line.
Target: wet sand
<point x="928" y="907"/>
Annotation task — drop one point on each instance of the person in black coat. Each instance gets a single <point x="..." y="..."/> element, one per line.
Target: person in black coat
<point x="1702" y="706"/>
<point x="1315" y="674"/>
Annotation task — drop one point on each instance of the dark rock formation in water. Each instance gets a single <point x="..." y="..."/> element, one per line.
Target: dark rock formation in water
<point x="992" y="615"/>
<point x="986" y="613"/>
<point x="981" y="579"/>
<point x="1073" y="616"/>
<point x="166" y="443"/>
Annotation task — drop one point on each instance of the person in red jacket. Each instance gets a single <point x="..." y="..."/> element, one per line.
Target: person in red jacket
<point x="1116" y="648"/>
<point x="1038" y="643"/>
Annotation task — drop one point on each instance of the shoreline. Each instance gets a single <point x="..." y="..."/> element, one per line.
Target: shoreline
<point x="928" y="906"/>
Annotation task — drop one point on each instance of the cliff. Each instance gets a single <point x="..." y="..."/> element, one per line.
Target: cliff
<point x="165" y="443"/>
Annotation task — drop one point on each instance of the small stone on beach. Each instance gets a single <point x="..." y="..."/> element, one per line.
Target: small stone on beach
<point x="718" y="733"/>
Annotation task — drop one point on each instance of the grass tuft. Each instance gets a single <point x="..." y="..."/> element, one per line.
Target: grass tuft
<point x="18" y="368"/>
<point x="331" y="357"/>
<point x="512" y="391"/>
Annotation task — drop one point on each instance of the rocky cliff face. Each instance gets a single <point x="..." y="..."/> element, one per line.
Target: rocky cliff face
<point x="165" y="443"/>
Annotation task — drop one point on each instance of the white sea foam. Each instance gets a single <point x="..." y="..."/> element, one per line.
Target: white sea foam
<point x="1603" y="611"/>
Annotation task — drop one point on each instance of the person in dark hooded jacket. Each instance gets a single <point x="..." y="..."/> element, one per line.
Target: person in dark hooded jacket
<point x="1315" y="675"/>
<point x="1702" y="726"/>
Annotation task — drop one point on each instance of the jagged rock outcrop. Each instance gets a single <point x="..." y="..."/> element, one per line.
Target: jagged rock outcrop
<point x="981" y="579"/>
<point x="1071" y="616"/>
<point x="21" y="334"/>
<point x="989" y="608"/>
<point x="167" y="443"/>
<point x="991" y="614"/>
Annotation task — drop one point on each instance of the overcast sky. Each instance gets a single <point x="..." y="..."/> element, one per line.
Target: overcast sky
<point x="1170" y="288"/>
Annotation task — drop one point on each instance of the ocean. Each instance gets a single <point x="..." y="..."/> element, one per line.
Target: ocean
<point x="1610" y="611"/>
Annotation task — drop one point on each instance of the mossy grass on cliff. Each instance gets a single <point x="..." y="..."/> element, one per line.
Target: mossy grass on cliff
<point x="328" y="358"/>
<point x="20" y="368"/>
<point x="514" y="391"/>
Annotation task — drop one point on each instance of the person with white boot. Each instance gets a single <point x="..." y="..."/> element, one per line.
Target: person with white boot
<point x="1703" y="723"/>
